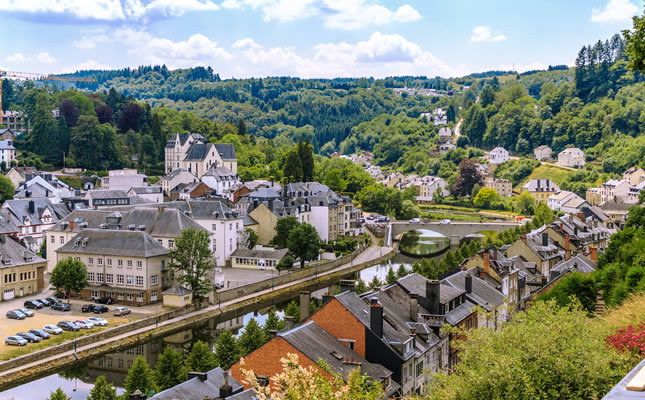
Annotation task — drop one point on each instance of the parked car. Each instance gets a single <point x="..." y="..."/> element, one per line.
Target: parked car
<point x="98" y="321"/>
<point x="415" y="220"/>
<point x="40" y="333"/>
<point x="26" y="311"/>
<point x="33" y="304"/>
<point x="15" y="341"/>
<point x="87" y="308"/>
<point x="104" y="300"/>
<point x="61" y="295"/>
<point x="46" y="302"/>
<point x="61" y="307"/>
<point x="68" y="326"/>
<point x="52" y="329"/>
<point x="121" y="311"/>
<point x="445" y="222"/>
<point x="30" y="337"/>
<point x="100" y="309"/>
<point x="15" y="314"/>
<point x="53" y="300"/>
<point x="84" y="324"/>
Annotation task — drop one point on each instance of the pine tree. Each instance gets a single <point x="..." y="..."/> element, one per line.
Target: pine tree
<point x="375" y="282"/>
<point x="58" y="394"/>
<point x="293" y="310"/>
<point x="200" y="358"/>
<point x="252" y="338"/>
<point x="401" y="272"/>
<point x="227" y="350"/>
<point x="390" y="278"/>
<point x="139" y="378"/>
<point x="241" y="127"/>
<point x="102" y="390"/>
<point x="273" y="323"/>
<point x="306" y="153"/>
<point x="169" y="369"/>
<point x="360" y="286"/>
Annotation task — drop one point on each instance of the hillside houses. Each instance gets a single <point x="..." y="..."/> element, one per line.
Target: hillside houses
<point x="572" y="157"/>
<point x="542" y="153"/>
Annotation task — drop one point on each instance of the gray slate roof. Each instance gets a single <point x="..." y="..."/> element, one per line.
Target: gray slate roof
<point x="415" y="283"/>
<point x="541" y="185"/>
<point x="115" y="243"/>
<point x="196" y="389"/>
<point x="146" y="189"/>
<point x="263" y="194"/>
<point x="20" y="209"/>
<point x="226" y="151"/>
<point x="579" y="263"/>
<point x="178" y="290"/>
<point x="107" y="194"/>
<point x="482" y="293"/>
<point x="4" y="145"/>
<point x="13" y="254"/>
<point x="197" y="151"/>
<point x="221" y="173"/>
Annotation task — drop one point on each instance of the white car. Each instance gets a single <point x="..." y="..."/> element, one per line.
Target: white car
<point x="84" y="324"/>
<point x="445" y="222"/>
<point x="415" y="220"/>
<point x="53" y="329"/>
<point x="121" y="311"/>
<point x="98" y="321"/>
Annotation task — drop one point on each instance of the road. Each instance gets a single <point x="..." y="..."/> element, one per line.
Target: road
<point x="458" y="129"/>
<point x="370" y="254"/>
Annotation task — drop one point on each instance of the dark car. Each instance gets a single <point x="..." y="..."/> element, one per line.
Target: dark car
<point x="28" y="313"/>
<point x="40" y="333"/>
<point x="61" y="295"/>
<point x="87" y="307"/>
<point x="61" y="307"/>
<point x="104" y="300"/>
<point x="53" y="300"/>
<point x="100" y="309"/>
<point x="68" y="326"/>
<point x="15" y="314"/>
<point x="30" y="337"/>
<point x="33" y="304"/>
<point x="46" y="302"/>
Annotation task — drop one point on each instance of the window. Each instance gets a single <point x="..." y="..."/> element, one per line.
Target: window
<point x="153" y="295"/>
<point x="119" y="263"/>
<point x="94" y="293"/>
<point x="90" y="260"/>
<point x="52" y="239"/>
<point x="139" y="280"/>
<point x="108" y="362"/>
<point x="129" y="280"/>
<point x="160" y="241"/>
<point x="171" y="244"/>
<point x="90" y="276"/>
<point x="109" y="262"/>
<point x="230" y="226"/>
<point x="153" y="280"/>
<point x="139" y="350"/>
<point x="119" y="279"/>
<point x="214" y="246"/>
<point x="214" y="227"/>
<point x="130" y="263"/>
<point x="100" y="261"/>
<point x="109" y="278"/>
<point x="99" y="277"/>
<point x="140" y="297"/>
<point x="420" y="368"/>
<point x="129" y="364"/>
<point x="230" y="244"/>
<point x="61" y="239"/>
<point x="120" y="363"/>
<point x="139" y="264"/>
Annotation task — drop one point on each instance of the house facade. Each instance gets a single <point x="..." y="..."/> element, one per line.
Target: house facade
<point x="34" y="217"/>
<point x="503" y="187"/>
<point x="175" y="178"/>
<point x="615" y="188"/>
<point x="7" y="152"/>
<point x="541" y="189"/>
<point x="498" y="155"/>
<point x="257" y="258"/>
<point x="571" y="157"/>
<point x="193" y="153"/>
<point x="634" y="175"/>
<point x="22" y="272"/>
<point x="220" y="179"/>
<point x="123" y="179"/>
<point x="542" y="153"/>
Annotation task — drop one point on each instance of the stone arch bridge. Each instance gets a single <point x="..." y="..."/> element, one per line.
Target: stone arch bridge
<point x="455" y="231"/>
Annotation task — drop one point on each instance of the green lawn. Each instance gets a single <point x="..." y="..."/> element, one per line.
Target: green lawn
<point x="554" y="173"/>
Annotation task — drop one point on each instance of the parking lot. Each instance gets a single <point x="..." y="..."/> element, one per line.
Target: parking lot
<point x="47" y="316"/>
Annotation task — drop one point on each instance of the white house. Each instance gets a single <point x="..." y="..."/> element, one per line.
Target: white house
<point x="542" y="153"/>
<point x="7" y="152"/>
<point x="374" y="171"/>
<point x="427" y="187"/>
<point x="33" y="217"/>
<point x="571" y="157"/>
<point x="175" y="178"/>
<point x="557" y="200"/>
<point x="614" y="188"/>
<point x="123" y="179"/>
<point x="44" y="185"/>
<point x="498" y="155"/>
<point x="219" y="179"/>
<point x="634" y="175"/>
<point x="152" y="193"/>
<point x="192" y="152"/>
<point x="444" y="134"/>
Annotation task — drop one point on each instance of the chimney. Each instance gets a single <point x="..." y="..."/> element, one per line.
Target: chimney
<point x="524" y="238"/>
<point x="594" y="254"/>
<point x="468" y="283"/>
<point x="203" y="376"/>
<point x="289" y="322"/>
<point x="538" y="184"/>
<point x="271" y="204"/>
<point x="545" y="239"/>
<point x="326" y="297"/>
<point x="486" y="263"/>
<point x="575" y="230"/>
<point x="305" y="299"/>
<point x="347" y="285"/>
<point x="32" y="206"/>
<point x="433" y="296"/>
<point x="71" y="224"/>
<point x="567" y="246"/>
<point x="376" y="317"/>
<point x="225" y="390"/>
<point x="414" y="311"/>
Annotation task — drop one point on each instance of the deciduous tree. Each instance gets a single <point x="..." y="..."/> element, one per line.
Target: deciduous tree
<point x="70" y="275"/>
<point x="200" y="358"/>
<point x="139" y="378"/>
<point x="169" y="369"/>
<point x="283" y="229"/>
<point x="102" y="390"/>
<point x="192" y="261"/>
<point x="304" y="243"/>
<point x="227" y="350"/>
<point x="252" y="338"/>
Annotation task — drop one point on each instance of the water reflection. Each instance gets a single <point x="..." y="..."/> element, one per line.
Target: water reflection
<point x="423" y="242"/>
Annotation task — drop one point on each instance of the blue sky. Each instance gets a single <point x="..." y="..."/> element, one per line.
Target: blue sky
<point x="307" y="38"/>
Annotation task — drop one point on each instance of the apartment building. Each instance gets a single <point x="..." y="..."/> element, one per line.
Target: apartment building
<point x="541" y="189"/>
<point x="22" y="272"/>
<point x="537" y="247"/>
<point x="193" y="153"/>
<point x="123" y="179"/>
<point x="127" y="265"/>
<point x="542" y="153"/>
<point x="498" y="155"/>
<point x="634" y="175"/>
<point x="34" y="217"/>
<point x="503" y="187"/>
<point x="7" y="152"/>
<point x="571" y="157"/>
<point x="175" y="178"/>
<point x="613" y="189"/>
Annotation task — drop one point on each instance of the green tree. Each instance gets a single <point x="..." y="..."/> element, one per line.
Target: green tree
<point x="291" y="167"/>
<point x="286" y="263"/>
<point x="360" y="286"/>
<point x="283" y="229"/>
<point x="192" y="261"/>
<point x="304" y="243"/>
<point x="375" y="282"/>
<point x="252" y="338"/>
<point x="409" y="210"/>
<point x="451" y="113"/>
<point x="70" y="275"/>
<point x="391" y="277"/>
<point x="469" y="176"/>
<point x="486" y="198"/>
<point x="58" y="394"/>
<point x="139" y="378"/>
<point x="200" y="358"/>
<point x="335" y="180"/>
<point x="306" y="154"/>
<point x="241" y="127"/>
<point x="401" y="271"/>
<point x="516" y="352"/>
<point x="6" y="188"/>
<point x="574" y="286"/>
<point x="273" y="323"/>
<point x="487" y="96"/>
<point x="102" y="390"/>
<point x="475" y="124"/>
<point x="227" y="350"/>
<point x="292" y="310"/>
<point x="635" y="48"/>
<point x="169" y="369"/>
<point x="525" y="203"/>
<point x="253" y="238"/>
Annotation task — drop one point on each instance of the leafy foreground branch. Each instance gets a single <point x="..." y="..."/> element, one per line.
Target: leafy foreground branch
<point x="548" y="352"/>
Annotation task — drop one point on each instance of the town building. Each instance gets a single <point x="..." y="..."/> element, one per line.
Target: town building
<point x="15" y="121"/>
<point x="484" y="295"/>
<point x="123" y="179"/>
<point x="175" y="178"/>
<point x="634" y="175"/>
<point x="262" y="215"/>
<point x="34" y="217"/>
<point x="616" y="210"/>
<point x="542" y="153"/>
<point x="558" y="199"/>
<point x="446" y="147"/>
<point x="574" y="205"/>
<point x="428" y="186"/>
<point x="445" y="134"/>
<point x="593" y="196"/>
<point x="204" y="385"/>
<point x="7" y="152"/>
<point x="22" y="272"/>
<point x="187" y="191"/>
<point x="44" y="185"/>
<point x="613" y="189"/>
<point x="538" y="248"/>
<point x="313" y="344"/>
<point x="572" y="157"/>
<point x="331" y="215"/>
<point x="498" y="155"/>
<point x="153" y="194"/>
<point x="220" y="179"/>
<point x="374" y="171"/>
<point x="126" y="265"/>
<point x="193" y="153"/>
<point x="503" y="187"/>
<point x="540" y="189"/>
<point x="634" y="193"/>
<point x="577" y="234"/>
<point x="257" y="258"/>
<point x="7" y="135"/>
<point x="18" y="175"/>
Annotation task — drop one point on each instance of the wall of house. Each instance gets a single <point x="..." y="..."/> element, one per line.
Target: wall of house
<point x="224" y="236"/>
<point x="21" y="280"/>
<point x="341" y="324"/>
<point x="267" y="220"/>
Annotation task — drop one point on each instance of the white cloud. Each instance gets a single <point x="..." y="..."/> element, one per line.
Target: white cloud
<point x="484" y="34"/>
<point x="18" y="58"/>
<point x="108" y="10"/>
<point x="335" y="14"/>
<point x="246" y="42"/>
<point x="45" y="58"/>
<point x="89" y="64"/>
<point x="614" y="11"/>
<point x="196" y="50"/>
<point x="89" y="41"/>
